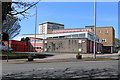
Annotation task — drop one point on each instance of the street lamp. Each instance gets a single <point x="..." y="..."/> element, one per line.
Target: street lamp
<point x="35" y="29"/>
<point x="94" y="55"/>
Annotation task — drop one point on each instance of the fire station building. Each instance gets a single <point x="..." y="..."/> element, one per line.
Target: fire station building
<point x="52" y="37"/>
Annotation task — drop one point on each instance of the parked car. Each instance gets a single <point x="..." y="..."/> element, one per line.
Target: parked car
<point x="5" y="48"/>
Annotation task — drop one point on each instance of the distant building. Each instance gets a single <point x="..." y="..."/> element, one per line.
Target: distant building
<point x="36" y="44"/>
<point x="47" y="27"/>
<point x="51" y="31"/>
<point x="23" y="46"/>
<point x="60" y="33"/>
<point x="107" y="38"/>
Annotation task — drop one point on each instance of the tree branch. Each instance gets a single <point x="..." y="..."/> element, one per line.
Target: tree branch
<point x="24" y="10"/>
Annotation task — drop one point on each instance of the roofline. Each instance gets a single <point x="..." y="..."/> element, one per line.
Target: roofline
<point x="105" y="27"/>
<point x="51" y="23"/>
<point x="68" y="29"/>
<point x="61" y="33"/>
<point x="35" y="38"/>
<point x="99" y="26"/>
<point x="63" y="38"/>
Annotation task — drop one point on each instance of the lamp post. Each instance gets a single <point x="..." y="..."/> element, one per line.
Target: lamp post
<point x="35" y="30"/>
<point x="44" y="38"/>
<point x="94" y="55"/>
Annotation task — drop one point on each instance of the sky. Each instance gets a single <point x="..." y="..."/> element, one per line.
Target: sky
<point x="72" y="15"/>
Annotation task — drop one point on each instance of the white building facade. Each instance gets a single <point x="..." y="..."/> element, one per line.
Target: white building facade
<point x="47" y="27"/>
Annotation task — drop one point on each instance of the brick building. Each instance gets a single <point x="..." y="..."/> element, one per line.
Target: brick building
<point x="51" y="30"/>
<point x="107" y="38"/>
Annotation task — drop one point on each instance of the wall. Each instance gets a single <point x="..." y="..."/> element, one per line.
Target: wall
<point x="66" y="45"/>
<point x="36" y="44"/>
<point x="107" y="33"/>
<point x="103" y="34"/>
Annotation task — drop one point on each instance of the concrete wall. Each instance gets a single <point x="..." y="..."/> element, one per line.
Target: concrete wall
<point x="66" y="45"/>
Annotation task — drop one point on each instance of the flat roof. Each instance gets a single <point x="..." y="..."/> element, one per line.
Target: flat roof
<point x="64" y="38"/>
<point x="60" y="33"/>
<point x="35" y="38"/>
<point x="105" y="27"/>
<point x="69" y="29"/>
<point x="51" y="23"/>
<point x="99" y="27"/>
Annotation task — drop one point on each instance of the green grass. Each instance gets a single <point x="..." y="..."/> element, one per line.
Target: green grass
<point x="14" y="54"/>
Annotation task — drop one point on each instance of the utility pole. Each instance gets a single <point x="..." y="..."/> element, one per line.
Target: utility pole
<point x="94" y="55"/>
<point x="35" y="30"/>
<point x="44" y="38"/>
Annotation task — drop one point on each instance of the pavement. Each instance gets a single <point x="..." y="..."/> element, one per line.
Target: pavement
<point x="70" y="55"/>
<point x="73" y="56"/>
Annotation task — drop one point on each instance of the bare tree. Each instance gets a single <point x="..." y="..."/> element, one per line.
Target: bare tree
<point x="17" y="8"/>
<point x="11" y="26"/>
<point x="6" y="9"/>
<point x="21" y="8"/>
<point x="12" y="14"/>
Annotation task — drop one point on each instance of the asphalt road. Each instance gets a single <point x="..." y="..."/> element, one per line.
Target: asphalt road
<point x="108" y="68"/>
<point x="87" y="65"/>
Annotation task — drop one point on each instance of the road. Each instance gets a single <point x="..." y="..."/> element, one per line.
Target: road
<point x="63" y="69"/>
<point x="20" y="68"/>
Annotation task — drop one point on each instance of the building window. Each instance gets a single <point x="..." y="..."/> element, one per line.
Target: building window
<point x="81" y="35"/>
<point x="75" y="36"/>
<point x="99" y="31"/>
<point x="68" y="36"/>
<point x="103" y="40"/>
<point x="106" y="31"/>
<point x="37" y="41"/>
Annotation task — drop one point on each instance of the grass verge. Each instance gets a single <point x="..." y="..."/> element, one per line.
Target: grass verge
<point x="13" y="54"/>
